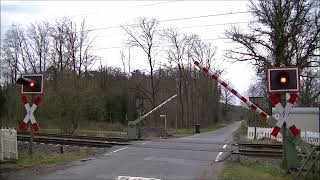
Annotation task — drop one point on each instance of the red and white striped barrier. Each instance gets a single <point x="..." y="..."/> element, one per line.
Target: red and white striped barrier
<point x="29" y="114"/>
<point x="264" y="115"/>
<point x="284" y="113"/>
<point x="233" y="91"/>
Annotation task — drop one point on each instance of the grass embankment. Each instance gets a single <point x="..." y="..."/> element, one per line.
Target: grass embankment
<point x="40" y="158"/>
<point x="243" y="130"/>
<point x="101" y="129"/>
<point x="83" y="132"/>
<point x="190" y="131"/>
<point x="244" y="171"/>
<point x="93" y="128"/>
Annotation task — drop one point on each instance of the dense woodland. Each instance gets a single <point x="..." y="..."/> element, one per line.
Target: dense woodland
<point x="75" y="92"/>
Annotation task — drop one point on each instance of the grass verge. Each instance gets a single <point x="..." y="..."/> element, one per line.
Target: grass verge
<point x="90" y="133"/>
<point x="43" y="159"/>
<point x="243" y="130"/>
<point x="242" y="171"/>
<point x="190" y="131"/>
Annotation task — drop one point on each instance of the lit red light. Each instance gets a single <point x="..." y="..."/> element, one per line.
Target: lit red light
<point x="32" y="84"/>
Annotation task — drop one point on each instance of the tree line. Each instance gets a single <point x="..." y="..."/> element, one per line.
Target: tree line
<point x="75" y="92"/>
<point x="285" y="33"/>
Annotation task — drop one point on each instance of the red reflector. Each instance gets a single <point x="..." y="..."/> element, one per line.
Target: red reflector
<point x="22" y="125"/>
<point x="275" y="131"/>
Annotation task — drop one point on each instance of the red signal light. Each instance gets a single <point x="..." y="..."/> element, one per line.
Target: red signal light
<point x="32" y="84"/>
<point x="283" y="79"/>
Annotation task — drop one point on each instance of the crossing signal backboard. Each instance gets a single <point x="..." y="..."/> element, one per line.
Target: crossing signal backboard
<point x="31" y="83"/>
<point x="284" y="79"/>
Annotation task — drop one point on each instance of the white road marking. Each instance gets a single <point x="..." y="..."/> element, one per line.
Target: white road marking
<point x="220" y="153"/>
<point x="145" y="143"/>
<point x="115" y="151"/>
<point x="134" y="178"/>
<point x="218" y="156"/>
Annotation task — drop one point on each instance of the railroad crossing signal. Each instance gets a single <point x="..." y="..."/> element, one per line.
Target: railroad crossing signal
<point x="29" y="114"/>
<point x="283" y="79"/>
<point x="31" y="83"/>
<point x="292" y="160"/>
<point x="284" y="113"/>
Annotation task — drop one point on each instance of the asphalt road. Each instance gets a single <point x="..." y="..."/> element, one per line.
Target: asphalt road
<point x="191" y="157"/>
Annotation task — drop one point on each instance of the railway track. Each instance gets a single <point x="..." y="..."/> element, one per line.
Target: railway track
<point x="253" y="149"/>
<point x="113" y="139"/>
<point x="255" y="145"/>
<point x="264" y="153"/>
<point x="73" y="140"/>
<point x="262" y="150"/>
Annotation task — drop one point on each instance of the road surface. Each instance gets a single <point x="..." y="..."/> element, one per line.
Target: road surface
<point x="191" y="157"/>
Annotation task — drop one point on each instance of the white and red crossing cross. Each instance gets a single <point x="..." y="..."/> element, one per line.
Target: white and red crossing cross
<point x="284" y="113"/>
<point x="29" y="114"/>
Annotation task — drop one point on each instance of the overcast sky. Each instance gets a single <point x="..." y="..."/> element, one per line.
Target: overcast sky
<point x="109" y="42"/>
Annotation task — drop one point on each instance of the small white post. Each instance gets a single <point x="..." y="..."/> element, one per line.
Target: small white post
<point x="165" y="121"/>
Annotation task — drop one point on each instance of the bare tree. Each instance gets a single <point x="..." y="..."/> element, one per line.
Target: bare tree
<point x="177" y="53"/>
<point x="84" y="44"/>
<point x="71" y="43"/>
<point x="143" y="36"/>
<point x="122" y="56"/>
<point x="227" y="98"/>
<point x="12" y="52"/>
<point x="38" y="37"/>
<point x="58" y="51"/>
<point x="204" y="52"/>
<point x="310" y="85"/>
<point x="286" y="33"/>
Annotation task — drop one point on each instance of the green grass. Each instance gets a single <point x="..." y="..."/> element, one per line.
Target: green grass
<point x="182" y="131"/>
<point x="243" y="128"/>
<point x="90" y="133"/>
<point x="240" y="171"/>
<point x="42" y="159"/>
<point x="215" y="127"/>
<point x="190" y="131"/>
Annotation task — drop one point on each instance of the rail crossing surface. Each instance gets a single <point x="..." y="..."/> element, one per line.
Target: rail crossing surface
<point x="191" y="157"/>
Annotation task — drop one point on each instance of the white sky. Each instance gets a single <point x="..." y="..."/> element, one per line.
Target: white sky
<point x="100" y="14"/>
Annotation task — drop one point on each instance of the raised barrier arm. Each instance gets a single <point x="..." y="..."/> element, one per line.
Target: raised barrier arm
<point x="270" y="120"/>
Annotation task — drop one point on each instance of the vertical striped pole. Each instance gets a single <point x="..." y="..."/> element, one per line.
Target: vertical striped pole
<point x="233" y="91"/>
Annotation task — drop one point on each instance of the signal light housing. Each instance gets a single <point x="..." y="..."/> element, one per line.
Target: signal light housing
<point x="283" y="79"/>
<point x="31" y="83"/>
